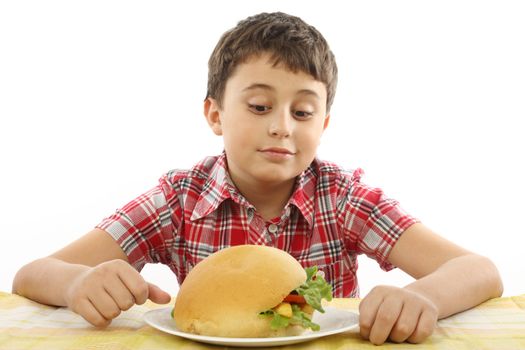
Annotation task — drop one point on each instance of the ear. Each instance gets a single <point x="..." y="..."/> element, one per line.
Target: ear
<point x="212" y="114"/>
<point x="326" y="122"/>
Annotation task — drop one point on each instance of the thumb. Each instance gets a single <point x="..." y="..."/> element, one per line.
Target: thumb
<point x="157" y="295"/>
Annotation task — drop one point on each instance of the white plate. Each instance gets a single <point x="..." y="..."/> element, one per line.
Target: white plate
<point x="333" y="321"/>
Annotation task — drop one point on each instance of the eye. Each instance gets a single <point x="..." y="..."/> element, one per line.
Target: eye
<point x="302" y="114"/>
<point x="259" y="109"/>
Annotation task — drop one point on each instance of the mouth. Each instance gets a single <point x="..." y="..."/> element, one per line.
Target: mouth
<point x="277" y="154"/>
<point x="277" y="150"/>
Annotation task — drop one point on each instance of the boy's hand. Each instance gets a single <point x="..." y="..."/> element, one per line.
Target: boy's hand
<point x="102" y="292"/>
<point x="396" y="314"/>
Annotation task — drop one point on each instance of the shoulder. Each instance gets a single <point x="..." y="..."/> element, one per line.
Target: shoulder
<point x="331" y="173"/>
<point x="346" y="182"/>
<point x="194" y="178"/>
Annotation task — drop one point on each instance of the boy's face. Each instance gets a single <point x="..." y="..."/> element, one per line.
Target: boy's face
<point x="271" y="120"/>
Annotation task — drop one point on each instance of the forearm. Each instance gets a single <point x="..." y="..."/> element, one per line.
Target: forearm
<point x="47" y="280"/>
<point x="459" y="284"/>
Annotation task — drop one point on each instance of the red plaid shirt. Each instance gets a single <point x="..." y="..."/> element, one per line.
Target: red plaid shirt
<point x="330" y="218"/>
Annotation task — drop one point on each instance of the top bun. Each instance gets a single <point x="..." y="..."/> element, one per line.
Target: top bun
<point x="224" y="293"/>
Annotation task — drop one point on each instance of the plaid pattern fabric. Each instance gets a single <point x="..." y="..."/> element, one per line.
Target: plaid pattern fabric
<point x="330" y="218"/>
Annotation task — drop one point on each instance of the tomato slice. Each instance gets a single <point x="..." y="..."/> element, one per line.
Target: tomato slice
<point x="295" y="299"/>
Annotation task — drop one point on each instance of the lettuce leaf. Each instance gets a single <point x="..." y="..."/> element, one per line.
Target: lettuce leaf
<point x="278" y="321"/>
<point x="302" y="319"/>
<point x="298" y="318"/>
<point x="314" y="290"/>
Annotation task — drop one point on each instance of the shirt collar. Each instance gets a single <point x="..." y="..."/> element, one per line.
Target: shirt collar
<point x="219" y="187"/>
<point x="303" y="196"/>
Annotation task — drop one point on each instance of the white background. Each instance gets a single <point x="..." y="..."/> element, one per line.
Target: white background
<point x="99" y="98"/>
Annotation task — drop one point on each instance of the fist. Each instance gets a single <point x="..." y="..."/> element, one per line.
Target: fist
<point x="396" y="314"/>
<point x="101" y="293"/>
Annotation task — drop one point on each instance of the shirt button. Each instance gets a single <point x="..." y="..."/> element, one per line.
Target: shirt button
<point x="273" y="228"/>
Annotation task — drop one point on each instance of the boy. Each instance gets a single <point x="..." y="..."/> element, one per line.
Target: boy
<point x="271" y="84"/>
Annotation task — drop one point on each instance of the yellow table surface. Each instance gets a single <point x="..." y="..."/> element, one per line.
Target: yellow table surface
<point x="496" y="324"/>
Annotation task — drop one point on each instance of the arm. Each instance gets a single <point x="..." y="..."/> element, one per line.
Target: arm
<point x="91" y="276"/>
<point x="450" y="276"/>
<point x="449" y="279"/>
<point x="46" y="280"/>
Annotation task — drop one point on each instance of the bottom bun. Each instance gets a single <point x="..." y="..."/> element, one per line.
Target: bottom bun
<point x="259" y="328"/>
<point x="288" y="331"/>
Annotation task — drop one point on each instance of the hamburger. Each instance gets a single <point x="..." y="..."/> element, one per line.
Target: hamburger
<point x="250" y="291"/>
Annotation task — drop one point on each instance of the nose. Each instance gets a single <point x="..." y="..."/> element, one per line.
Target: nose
<point x="280" y="125"/>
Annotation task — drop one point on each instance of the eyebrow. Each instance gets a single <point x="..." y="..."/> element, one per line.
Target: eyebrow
<point x="271" y="88"/>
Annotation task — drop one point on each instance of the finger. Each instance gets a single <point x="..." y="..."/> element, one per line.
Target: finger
<point x="386" y="317"/>
<point x="425" y="327"/>
<point x="367" y="313"/>
<point x="406" y="323"/>
<point x="133" y="282"/>
<point x="86" y="309"/>
<point x="104" y="304"/>
<point x="157" y="295"/>
<point x="119" y="293"/>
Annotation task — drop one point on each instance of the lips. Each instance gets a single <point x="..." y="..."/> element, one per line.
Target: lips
<point x="278" y="150"/>
<point x="277" y="154"/>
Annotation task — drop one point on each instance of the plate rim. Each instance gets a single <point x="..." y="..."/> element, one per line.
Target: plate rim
<point x="246" y="341"/>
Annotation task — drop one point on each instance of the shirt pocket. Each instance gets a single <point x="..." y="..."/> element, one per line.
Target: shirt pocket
<point x="341" y="275"/>
<point x="332" y="273"/>
<point x="328" y="259"/>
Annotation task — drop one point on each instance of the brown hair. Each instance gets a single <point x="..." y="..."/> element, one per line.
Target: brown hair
<point x="289" y="40"/>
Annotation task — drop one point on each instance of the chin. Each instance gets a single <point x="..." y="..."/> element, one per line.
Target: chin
<point x="274" y="176"/>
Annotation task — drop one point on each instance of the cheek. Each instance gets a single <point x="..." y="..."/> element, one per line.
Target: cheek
<point x="238" y="135"/>
<point x="310" y="138"/>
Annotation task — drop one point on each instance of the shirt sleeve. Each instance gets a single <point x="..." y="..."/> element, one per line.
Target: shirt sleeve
<point x="373" y="222"/>
<point x="146" y="227"/>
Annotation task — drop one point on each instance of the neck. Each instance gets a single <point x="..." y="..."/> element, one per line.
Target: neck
<point x="268" y="198"/>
